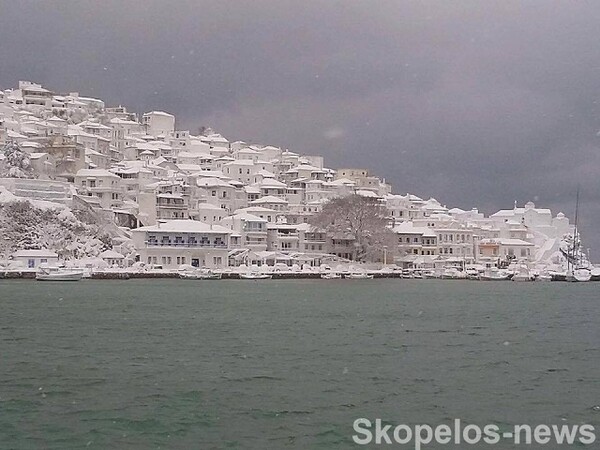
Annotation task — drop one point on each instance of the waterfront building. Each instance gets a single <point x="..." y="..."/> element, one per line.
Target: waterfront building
<point x="32" y="259"/>
<point x="175" y="242"/>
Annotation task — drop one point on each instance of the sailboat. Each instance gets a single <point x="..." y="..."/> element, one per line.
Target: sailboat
<point x="574" y="273"/>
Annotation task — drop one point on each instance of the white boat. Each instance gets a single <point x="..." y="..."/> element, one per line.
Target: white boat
<point x="58" y="274"/>
<point x="544" y="276"/>
<point x="575" y="257"/>
<point x="358" y="276"/>
<point x="200" y="274"/>
<point x="452" y="273"/>
<point x="579" y="275"/>
<point x="255" y="276"/>
<point x="494" y="274"/>
<point x="523" y="274"/>
<point x="331" y="276"/>
<point x="472" y="273"/>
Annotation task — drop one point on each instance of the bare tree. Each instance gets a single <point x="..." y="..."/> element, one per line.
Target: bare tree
<point x="362" y="219"/>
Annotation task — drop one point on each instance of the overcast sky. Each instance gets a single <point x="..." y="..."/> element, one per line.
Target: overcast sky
<point x="476" y="103"/>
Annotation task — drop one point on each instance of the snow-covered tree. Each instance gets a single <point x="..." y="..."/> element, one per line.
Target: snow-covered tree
<point x="362" y="219"/>
<point x="71" y="234"/>
<point x="16" y="162"/>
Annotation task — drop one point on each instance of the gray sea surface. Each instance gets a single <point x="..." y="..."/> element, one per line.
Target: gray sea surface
<point x="182" y="364"/>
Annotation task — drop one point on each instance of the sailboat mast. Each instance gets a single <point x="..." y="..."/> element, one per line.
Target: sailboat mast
<point x="576" y="220"/>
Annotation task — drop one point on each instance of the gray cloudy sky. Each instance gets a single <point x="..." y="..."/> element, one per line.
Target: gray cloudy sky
<point x="472" y="102"/>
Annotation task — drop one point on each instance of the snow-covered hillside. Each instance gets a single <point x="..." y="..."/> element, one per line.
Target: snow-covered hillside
<point x="32" y="224"/>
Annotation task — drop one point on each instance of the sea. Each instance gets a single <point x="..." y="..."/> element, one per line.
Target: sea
<point x="275" y="364"/>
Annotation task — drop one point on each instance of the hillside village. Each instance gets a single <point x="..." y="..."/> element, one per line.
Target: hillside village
<point x="157" y="195"/>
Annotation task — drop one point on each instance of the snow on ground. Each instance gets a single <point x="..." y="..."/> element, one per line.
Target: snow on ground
<point x="31" y="224"/>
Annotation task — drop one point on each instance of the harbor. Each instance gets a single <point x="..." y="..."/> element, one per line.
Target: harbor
<point x="300" y="275"/>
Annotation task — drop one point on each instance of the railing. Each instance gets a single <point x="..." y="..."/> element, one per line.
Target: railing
<point x="171" y="205"/>
<point x="186" y="244"/>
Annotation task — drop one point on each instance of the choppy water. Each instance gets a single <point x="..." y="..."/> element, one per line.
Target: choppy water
<point x="176" y="364"/>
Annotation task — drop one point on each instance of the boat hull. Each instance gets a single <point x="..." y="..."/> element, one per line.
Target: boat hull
<point x="192" y="276"/>
<point x="331" y="277"/>
<point x="359" y="277"/>
<point x="76" y="276"/>
<point x="255" y="277"/>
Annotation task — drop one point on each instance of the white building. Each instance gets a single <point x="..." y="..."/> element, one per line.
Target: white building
<point x="102" y="184"/>
<point x="251" y="229"/>
<point x="33" y="258"/>
<point x="176" y="242"/>
<point x="158" y="123"/>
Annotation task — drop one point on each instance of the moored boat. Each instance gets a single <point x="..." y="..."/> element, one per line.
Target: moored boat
<point x="199" y="274"/>
<point x="255" y="276"/>
<point x="579" y="275"/>
<point x="523" y="274"/>
<point x="358" y="276"/>
<point x="544" y="276"/>
<point x="452" y="273"/>
<point x="494" y="274"/>
<point x="48" y="273"/>
<point x="331" y="276"/>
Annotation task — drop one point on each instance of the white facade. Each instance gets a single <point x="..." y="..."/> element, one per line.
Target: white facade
<point x="158" y="123"/>
<point x="173" y="243"/>
<point x="32" y="259"/>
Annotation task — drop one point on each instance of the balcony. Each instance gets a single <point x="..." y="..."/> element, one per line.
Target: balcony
<point x="186" y="244"/>
<point x="171" y="206"/>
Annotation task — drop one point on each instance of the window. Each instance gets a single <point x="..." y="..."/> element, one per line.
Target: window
<point x="31" y="263"/>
